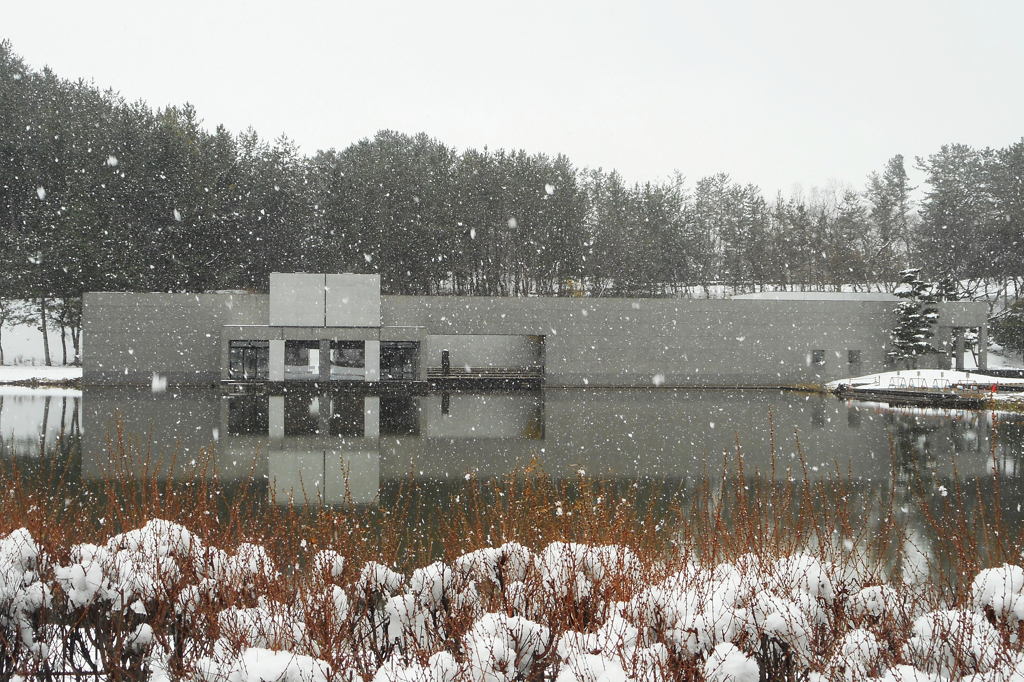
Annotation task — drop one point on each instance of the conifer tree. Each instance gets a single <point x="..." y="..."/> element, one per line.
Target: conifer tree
<point x="916" y="314"/>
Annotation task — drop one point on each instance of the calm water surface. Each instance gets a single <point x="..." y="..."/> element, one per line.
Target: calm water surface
<point x="298" y="441"/>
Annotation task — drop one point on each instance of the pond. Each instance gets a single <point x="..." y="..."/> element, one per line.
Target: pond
<point x="324" y="442"/>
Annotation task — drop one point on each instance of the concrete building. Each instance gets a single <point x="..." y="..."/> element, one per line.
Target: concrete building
<point x="332" y="328"/>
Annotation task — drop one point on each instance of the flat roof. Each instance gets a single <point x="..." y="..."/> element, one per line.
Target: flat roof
<point x="819" y="296"/>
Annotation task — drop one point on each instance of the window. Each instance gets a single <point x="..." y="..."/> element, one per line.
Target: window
<point x="818" y="357"/>
<point x="248" y="360"/>
<point x="853" y="359"/>
<point x="348" y="360"/>
<point x="399" y="360"/>
<point x="399" y="415"/>
<point x="302" y="360"/>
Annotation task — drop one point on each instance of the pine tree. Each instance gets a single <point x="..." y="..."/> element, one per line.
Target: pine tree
<point x="916" y="315"/>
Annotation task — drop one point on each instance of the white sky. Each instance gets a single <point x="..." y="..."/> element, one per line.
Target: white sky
<point x="780" y="94"/>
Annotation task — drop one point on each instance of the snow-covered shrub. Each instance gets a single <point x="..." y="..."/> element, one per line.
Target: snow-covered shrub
<point x="805" y="581"/>
<point x="728" y="664"/>
<point x="780" y="624"/>
<point x="856" y="657"/>
<point x="503" y="648"/>
<point x="270" y="625"/>
<point x="1000" y="593"/>
<point x="22" y="594"/>
<point x="878" y="602"/>
<point x="953" y="642"/>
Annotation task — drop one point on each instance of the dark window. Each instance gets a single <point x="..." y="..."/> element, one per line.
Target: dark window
<point x="302" y="360"/>
<point x="818" y="357"/>
<point x="853" y="418"/>
<point x="348" y="360"/>
<point x="248" y="360"/>
<point x="399" y="360"/>
<point x="853" y="358"/>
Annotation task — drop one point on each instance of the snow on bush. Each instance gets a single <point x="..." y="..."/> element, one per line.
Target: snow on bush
<point x="158" y="601"/>
<point x="953" y="642"/>
<point x="1000" y="590"/>
<point x="728" y="664"/>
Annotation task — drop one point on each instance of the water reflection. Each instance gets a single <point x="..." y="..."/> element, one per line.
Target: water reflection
<point x="337" y="448"/>
<point x="32" y="421"/>
<point x="306" y="444"/>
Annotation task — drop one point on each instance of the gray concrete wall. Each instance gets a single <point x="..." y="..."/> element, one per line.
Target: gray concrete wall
<point x="128" y="337"/>
<point x="586" y="342"/>
<point x="480" y="350"/>
<point x="353" y="301"/>
<point x="630" y="342"/>
<point x="297" y="299"/>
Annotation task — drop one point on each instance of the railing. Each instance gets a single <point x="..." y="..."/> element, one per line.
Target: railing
<point x="486" y="373"/>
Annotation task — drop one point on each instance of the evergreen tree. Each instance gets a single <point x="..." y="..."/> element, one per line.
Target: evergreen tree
<point x="888" y="195"/>
<point x="916" y="316"/>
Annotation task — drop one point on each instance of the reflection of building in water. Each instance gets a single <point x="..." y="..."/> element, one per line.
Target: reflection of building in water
<point x="304" y="441"/>
<point x="327" y="447"/>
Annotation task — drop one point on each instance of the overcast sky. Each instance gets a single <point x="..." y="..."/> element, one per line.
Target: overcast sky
<point x="779" y="94"/>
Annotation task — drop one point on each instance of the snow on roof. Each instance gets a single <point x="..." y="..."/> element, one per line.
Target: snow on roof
<point x="818" y="296"/>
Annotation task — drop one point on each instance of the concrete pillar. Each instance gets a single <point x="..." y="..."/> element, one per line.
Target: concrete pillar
<point x="276" y="370"/>
<point x="325" y="360"/>
<point x="371" y="417"/>
<point x="983" y="347"/>
<point x="959" y="348"/>
<point x="371" y="363"/>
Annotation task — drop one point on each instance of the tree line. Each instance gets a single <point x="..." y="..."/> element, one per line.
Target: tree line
<point x="101" y="194"/>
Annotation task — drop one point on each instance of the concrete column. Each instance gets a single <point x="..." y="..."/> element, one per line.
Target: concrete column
<point x="276" y="370"/>
<point x="325" y="360"/>
<point x="983" y="347"/>
<point x="371" y="417"/>
<point x="959" y="348"/>
<point x="372" y="361"/>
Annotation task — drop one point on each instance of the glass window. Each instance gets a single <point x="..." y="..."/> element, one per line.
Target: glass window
<point x="248" y="360"/>
<point x="853" y="358"/>
<point x="348" y="360"/>
<point x="399" y="360"/>
<point x="302" y="360"/>
<point x="818" y="357"/>
<point x="302" y="414"/>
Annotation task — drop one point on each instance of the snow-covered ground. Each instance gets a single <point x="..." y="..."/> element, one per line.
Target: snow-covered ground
<point x="924" y="378"/>
<point x="10" y="374"/>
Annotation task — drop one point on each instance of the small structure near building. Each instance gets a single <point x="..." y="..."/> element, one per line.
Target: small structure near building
<point x="338" y="330"/>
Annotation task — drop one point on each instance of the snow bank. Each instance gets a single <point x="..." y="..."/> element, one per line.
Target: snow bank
<point x="924" y="378"/>
<point x="42" y="374"/>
